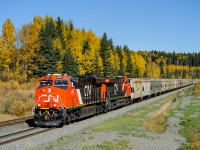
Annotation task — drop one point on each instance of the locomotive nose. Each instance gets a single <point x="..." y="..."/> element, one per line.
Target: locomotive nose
<point x="48" y="97"/>
<point x="46" y="117"/>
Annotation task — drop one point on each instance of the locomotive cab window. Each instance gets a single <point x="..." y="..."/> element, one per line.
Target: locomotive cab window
<point x="61" y="83"/>
<point x="45" y="83"/>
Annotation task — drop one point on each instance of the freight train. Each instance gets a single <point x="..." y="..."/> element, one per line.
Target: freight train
<point x="61" y="99"/>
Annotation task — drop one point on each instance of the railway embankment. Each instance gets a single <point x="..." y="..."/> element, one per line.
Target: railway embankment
<point x="171" y="122"/>
<point x="125" y="128"/>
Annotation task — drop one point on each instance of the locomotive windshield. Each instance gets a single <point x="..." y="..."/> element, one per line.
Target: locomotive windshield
<point x="61" y="83"/>
<point x="45" y="83"/>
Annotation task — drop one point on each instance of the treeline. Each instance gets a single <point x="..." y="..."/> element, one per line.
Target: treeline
<point x="54" y="46"/>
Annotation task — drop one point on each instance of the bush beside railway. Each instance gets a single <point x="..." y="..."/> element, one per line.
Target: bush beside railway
<point x="17" y="99"/>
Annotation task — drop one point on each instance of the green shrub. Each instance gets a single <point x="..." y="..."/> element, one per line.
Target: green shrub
<point x="6" y="108"/>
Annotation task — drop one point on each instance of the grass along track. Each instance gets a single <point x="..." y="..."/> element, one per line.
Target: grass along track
<point x="109" y="133"/>
<point x="125" y="128"/>
<point x="190" y="122"/>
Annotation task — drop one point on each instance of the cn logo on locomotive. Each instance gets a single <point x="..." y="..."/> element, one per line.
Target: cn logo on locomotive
<point x="49" y="97"/>
<point x="87" y="90"/>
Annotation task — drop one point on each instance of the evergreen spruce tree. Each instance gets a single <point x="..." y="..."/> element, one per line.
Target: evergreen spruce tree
<point x="59" y="32"/>
<point x="47" y="62"/>
<point x="86" y="46"/>
<point x="105" y="54"/>
<point x="70" y="28"/>
<point x="122" y="69"/>
<point x="111" y="46"/>
<point x="70" y="65"/>
<point x="126" y="49"/>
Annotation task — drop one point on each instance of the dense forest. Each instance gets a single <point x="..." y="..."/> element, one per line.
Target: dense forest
<point x="53" y="46"/>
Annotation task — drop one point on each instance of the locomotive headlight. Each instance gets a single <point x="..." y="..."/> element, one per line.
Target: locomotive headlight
<point x="49" y="90"/>
<point x="54" y="105"/>
<point x="38" y="105"/>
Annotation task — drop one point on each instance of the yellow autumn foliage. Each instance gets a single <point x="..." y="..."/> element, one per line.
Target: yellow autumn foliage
<point x="139" y="64"/>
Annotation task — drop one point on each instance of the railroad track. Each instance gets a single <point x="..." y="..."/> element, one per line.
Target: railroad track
<point x="16" y="136"/>
<point x="15" y="121"/>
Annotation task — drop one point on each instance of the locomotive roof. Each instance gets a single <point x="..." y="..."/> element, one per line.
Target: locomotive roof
<point x="96" y="80"/>
<point x="84" y="79"/>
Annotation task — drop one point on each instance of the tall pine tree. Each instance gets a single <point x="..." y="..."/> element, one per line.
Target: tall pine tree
<point x="47" y="63"/>
<point x="105" y="54"/>
<point x="70" y="65"/>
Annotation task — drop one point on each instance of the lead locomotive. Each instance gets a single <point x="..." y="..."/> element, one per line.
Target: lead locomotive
<point x="61" y="99"/>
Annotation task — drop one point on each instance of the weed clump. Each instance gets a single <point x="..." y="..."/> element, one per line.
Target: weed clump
<point x="155" y="123"/>
<point x="6" y="106"/>
<point x="196" y="142"/>
<point x="18" y="108"/>
<point x="197" y="88"/>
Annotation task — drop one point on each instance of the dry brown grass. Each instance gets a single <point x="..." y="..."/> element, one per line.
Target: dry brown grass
<point x="17" y="99"/>
<point x="155" y="123"/>
<point x="197" y="88"/>
<point x="196" y="142"/>
<point x="4" y="117"/>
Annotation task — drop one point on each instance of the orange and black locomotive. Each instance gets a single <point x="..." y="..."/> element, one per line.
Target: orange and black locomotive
<point x="61" y="99"/>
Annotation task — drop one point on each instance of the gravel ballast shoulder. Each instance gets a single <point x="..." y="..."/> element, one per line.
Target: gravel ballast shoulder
<point x="73" y="129"/>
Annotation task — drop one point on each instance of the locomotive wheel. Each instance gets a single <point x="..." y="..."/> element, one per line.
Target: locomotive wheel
<point x="60" y="125"/>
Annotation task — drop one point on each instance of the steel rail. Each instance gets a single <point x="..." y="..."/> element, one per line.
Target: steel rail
<point x="25" y="136"/>
<point x="14" y="121"/>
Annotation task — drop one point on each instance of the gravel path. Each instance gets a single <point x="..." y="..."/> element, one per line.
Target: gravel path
<point x="160" y="142"/>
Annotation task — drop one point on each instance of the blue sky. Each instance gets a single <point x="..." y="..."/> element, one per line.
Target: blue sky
<point x="163" y="25"/>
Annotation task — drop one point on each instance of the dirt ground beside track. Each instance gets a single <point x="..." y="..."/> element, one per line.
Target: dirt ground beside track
<point x="168" y="140"/>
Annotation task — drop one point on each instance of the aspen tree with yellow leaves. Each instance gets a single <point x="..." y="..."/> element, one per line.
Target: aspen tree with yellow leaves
<point x="53" y="46"/>
<point x="76" y="44"/>
<point x="90" y="51"/>
<point x="98" y="65"/>
<point x="115" y="63"/>
<point x="7" y="50"/>
<point x="139" y="65"/>
<point x="30" y="46"/>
